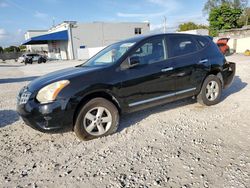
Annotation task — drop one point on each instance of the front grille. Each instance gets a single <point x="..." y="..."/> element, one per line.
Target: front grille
<point x="23" y="96"/>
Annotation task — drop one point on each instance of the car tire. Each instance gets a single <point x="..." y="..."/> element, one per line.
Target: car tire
<point x="211" y="90"/>
<point x="97" y="118"/>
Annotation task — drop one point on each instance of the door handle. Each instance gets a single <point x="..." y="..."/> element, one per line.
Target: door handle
<point x="167" y="69"/>
<point x="203" y="61"/>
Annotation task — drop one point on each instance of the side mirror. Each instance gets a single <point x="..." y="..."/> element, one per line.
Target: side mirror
<point x="134" y="61"/>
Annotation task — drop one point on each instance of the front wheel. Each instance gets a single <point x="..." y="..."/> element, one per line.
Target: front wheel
<point x="97" y="118"/>
<point x="211" y="91"/>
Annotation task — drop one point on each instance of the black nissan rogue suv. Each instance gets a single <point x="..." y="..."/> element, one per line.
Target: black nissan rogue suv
<point x="125" y="77"/>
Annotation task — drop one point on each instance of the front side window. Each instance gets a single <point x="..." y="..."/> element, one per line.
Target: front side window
<point x="109" y="55"/>
<point x="181" y="45"/>
<point x="151" y="51"/>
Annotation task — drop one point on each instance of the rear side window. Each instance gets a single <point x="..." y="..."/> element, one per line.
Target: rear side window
<point x="202" y="41"/>
<point x="181" y="45"/>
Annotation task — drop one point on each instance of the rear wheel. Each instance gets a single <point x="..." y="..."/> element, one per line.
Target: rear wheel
<point x="211" y="91"/>
<point x="97" y="118"/>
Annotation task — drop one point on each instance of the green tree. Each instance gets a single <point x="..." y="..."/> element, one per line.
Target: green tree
<point x="211" y="4"/>
<point x="22" y="48"/>
<point x="12" y="49"/>
<point x="1" y="49"/>
<point x="191" y="26"/>
<point x="244" y="18"/>
<point x="223" y="17"/>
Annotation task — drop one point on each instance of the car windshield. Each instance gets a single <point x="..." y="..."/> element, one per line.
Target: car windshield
<point x="109" y="55"/>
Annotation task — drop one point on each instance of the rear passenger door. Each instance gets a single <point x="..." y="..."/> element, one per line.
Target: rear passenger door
<point x="185" y="56"/>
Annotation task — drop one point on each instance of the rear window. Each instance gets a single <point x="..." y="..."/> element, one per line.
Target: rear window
<point x="202" y="41"/>
<point x="182" y="45"/>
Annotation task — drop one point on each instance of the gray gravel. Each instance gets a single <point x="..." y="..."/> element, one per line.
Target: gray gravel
<point x="181" y="144"/>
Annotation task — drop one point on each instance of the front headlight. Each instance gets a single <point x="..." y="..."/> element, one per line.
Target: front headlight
<point x="49" y="93"/>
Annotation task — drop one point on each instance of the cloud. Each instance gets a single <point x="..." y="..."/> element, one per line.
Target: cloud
<point x="138" y="15"/>
<point x="166" y="6"/>
<point x="11" y="38"/>
<point x="3" y="34"/>
<point x="172" y="9"/>
<point x="169" y="4"/>
<point x="195" y="17"/>
<point x="3" y="4"/>
<point x="41" y="15"/>
<point x="19" y="31"/>
<point x="173" y="21"/>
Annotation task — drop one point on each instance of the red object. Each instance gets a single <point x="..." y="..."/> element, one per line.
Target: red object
<point x="222" y="44"/>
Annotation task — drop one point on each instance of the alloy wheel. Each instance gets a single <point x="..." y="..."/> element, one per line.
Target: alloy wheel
<point x="97" y="121"/>
<point x="212" y="90"/>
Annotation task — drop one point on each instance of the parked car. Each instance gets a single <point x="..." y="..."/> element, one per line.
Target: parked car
<point x="222" y="44"/>
<point x="32" y="57"/>
<point x="126" y="77"/>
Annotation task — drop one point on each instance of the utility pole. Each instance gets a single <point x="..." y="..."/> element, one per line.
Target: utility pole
<point x="165" y="24"/>
<point x="53" y="22"/>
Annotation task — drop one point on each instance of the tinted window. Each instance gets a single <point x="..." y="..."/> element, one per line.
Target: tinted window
<point x="202" y="41"/>
<point x="151" y="51"/>
<point x="181" y="45"/>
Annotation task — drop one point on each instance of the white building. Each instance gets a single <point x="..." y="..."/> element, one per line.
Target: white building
<point x="196" y="32"/>
<point x="65" y="39"/>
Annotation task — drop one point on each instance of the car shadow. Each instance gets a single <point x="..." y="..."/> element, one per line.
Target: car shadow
<point x="133" y="118"/>
<point x="13" y="80"/>
<point x="236" y="86"/>
<point x="8" y="65"/>
<point x="7" y="117"/>
<point x="128" y="120"/>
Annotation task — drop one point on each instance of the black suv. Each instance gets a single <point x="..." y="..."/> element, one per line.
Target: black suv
<point x="125" y="77"/>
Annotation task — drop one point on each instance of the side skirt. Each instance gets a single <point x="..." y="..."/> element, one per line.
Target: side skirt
<point x="140" y="105"/>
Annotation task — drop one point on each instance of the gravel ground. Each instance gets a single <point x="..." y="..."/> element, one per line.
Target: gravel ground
<point x="181" y="144"/>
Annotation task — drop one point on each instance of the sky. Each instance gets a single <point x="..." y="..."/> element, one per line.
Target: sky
<point x="18" y="16"/>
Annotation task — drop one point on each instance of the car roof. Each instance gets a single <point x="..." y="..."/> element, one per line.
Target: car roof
<point x="142" y="37"/>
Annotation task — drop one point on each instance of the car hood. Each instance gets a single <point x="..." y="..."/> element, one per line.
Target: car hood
<point x="64" y="74"/>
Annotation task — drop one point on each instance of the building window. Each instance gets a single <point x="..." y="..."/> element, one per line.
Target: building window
<point x="138" y="31"/>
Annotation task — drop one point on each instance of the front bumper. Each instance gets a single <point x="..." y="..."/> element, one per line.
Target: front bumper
<point x="52" y="117"/>
<point x="228" y="74"/>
